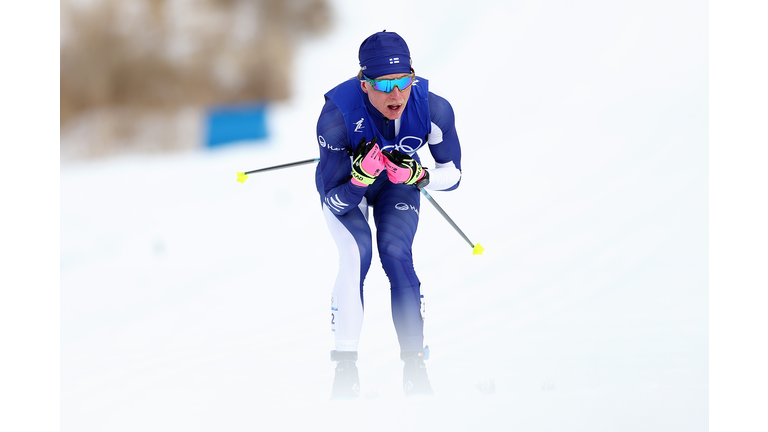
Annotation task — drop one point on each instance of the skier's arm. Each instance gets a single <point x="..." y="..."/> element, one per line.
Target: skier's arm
<point x="444" y="146"/>
<point x="335" y="166"/>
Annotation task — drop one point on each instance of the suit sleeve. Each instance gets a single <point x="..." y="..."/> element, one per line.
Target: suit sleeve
<point x="444" y="146"/>
<point x="335" y="166"/>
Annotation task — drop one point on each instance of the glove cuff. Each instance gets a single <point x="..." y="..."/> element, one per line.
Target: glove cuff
<point x="361" y="180"/>
<point x="423" y="181"/>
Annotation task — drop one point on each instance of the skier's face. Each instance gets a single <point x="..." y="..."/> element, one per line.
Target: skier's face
<point x="392" y="104"/>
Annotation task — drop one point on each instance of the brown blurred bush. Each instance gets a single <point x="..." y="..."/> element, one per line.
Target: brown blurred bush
<point x="138" y="55"/>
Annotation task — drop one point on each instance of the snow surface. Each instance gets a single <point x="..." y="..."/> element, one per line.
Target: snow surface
<point x="192" y="302"/>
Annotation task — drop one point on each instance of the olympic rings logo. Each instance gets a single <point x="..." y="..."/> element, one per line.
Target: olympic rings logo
<point x="408" y="147"/>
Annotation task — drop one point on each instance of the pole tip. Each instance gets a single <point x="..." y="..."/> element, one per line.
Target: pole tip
<point x="241" y="177"/>
<point x="477" y="250"/>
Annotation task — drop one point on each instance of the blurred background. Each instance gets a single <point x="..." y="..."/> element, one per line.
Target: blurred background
<point x="167" y="75"/>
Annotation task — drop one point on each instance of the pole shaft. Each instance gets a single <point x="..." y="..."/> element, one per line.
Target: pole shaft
<point x="445" y="215"/>
<point x="308" y="161"/>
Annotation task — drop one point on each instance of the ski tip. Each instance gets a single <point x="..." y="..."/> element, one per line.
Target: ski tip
<point x="241" y="177"/>
<point x="477" y="250"/>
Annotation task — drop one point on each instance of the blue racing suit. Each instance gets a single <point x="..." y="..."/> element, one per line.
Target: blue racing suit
<point x="346" y="117"/>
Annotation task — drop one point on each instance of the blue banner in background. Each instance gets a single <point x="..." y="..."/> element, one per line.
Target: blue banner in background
<point x="230" y="123"/>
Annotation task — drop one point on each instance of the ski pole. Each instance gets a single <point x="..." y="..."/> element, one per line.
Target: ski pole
<point x="243" y="176"/>
<point x="476" y="248"/>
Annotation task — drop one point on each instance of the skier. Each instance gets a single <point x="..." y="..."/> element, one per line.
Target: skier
<point x="368" y="132"/>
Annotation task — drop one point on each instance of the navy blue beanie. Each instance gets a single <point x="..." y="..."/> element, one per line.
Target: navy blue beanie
<point x="384" y="53"/>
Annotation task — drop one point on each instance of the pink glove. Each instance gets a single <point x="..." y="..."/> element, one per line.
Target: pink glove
<point x="367" y="163"/>
<point x="402" y="168"/>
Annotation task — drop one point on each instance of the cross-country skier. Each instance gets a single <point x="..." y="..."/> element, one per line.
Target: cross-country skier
<point x="369" y="131"/>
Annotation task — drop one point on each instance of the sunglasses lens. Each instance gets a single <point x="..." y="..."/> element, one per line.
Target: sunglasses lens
<point x="404" y="82"/>
<point x="383" y="86"/>
<point x="387" y="86"/>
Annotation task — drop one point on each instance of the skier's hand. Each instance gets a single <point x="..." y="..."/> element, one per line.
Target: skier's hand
<point x="367" y="163"/>
<point x="402" y="168"/>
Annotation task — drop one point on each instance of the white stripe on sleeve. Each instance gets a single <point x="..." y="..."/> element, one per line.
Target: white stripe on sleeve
<point x="436" y="135"/>
<point x="443" y="176"/>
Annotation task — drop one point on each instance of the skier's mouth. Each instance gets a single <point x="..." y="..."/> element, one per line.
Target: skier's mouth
<point x="395" y="107"/>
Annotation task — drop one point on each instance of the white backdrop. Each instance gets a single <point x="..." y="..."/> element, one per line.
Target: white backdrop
<point x="192" y="302"/>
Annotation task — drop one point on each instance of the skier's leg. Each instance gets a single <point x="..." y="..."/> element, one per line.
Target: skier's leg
<point x="352" y="235"/>
<point x="396" y="214"/>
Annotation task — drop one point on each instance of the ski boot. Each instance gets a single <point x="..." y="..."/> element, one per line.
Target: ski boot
<point x="415" y="379"/>
<point x="346" y="382"/>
